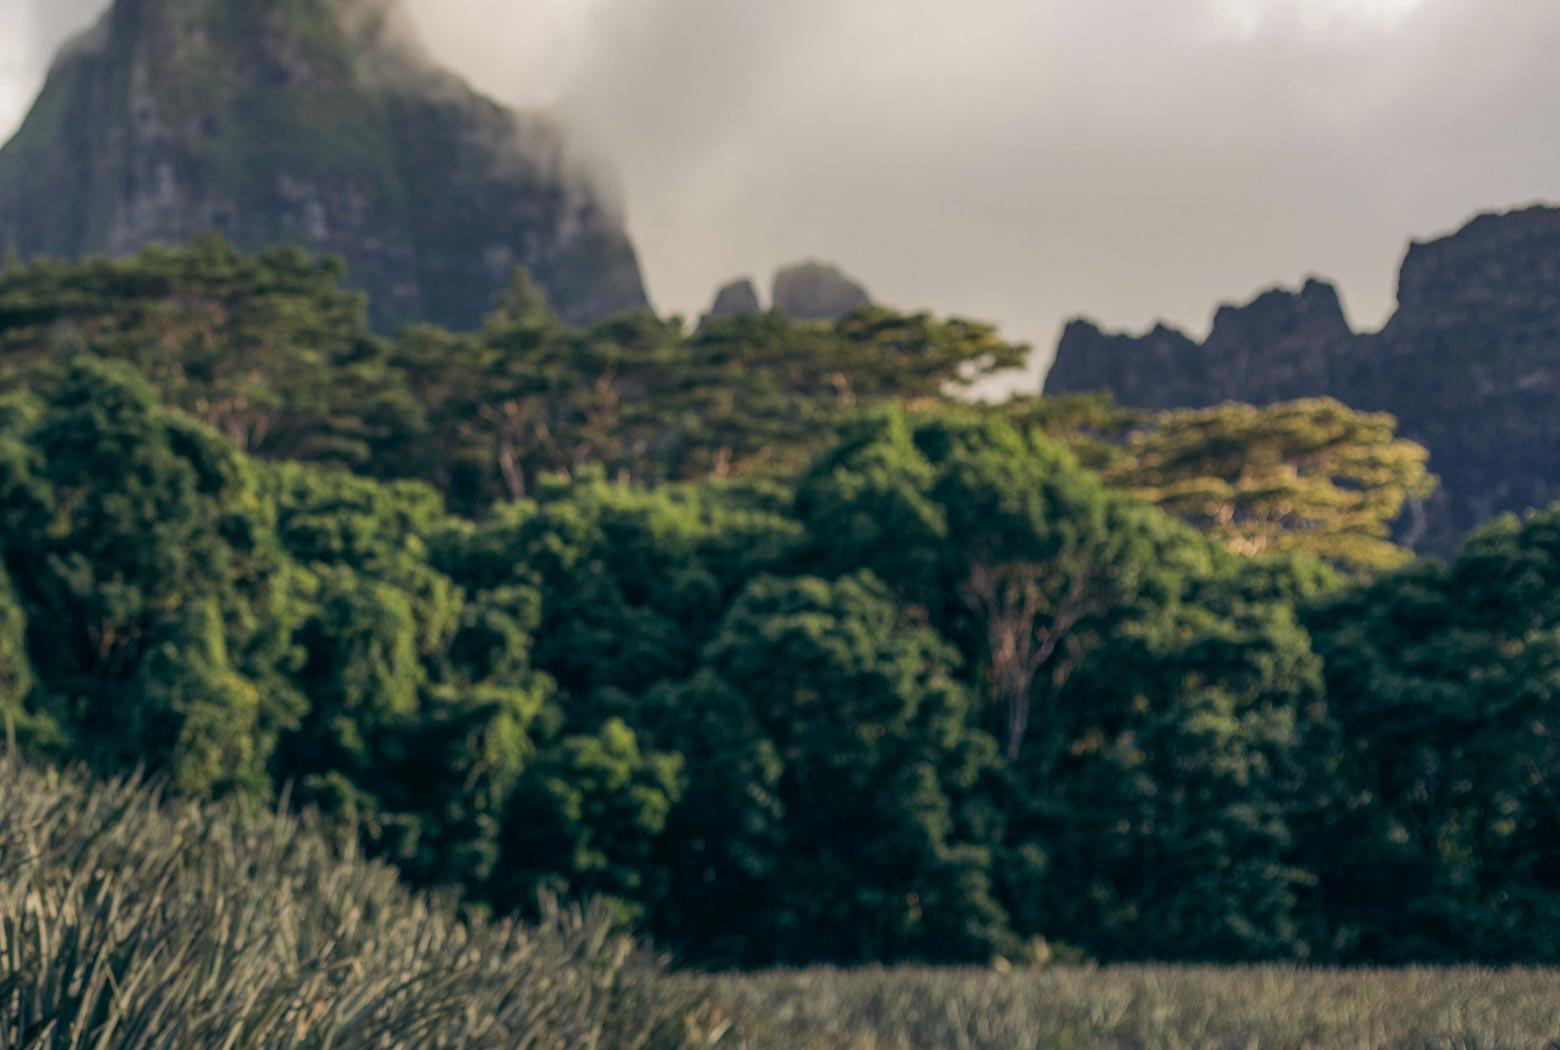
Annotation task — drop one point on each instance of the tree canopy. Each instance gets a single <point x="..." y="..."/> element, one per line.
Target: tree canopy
<point x="765" y="636"/>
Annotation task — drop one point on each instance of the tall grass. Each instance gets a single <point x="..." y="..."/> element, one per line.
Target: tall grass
<point x="132" y="921"/>
<point x="128" y="920"/>
<point x="1153" y="1008"/>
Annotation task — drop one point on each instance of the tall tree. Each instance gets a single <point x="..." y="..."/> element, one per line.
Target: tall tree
<point x="1444" y="683"/>
<point x="267" y="349"/>
<point x="842" y="748"/>
<point x="423" y="703"/>
<point x="157" y="596"/>
<point x="1311" y="476"/>
<point x="1012" y="549"/>
<point x="1165" y="829"/>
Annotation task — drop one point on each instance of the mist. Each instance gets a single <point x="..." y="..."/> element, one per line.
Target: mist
<point x="1022" y="161"/>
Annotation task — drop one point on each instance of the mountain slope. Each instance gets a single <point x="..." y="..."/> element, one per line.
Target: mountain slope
<point x="320" y="122"/>
<point x="1470" y="365"/>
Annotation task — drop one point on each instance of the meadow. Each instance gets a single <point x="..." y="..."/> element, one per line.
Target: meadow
<point x="1150" y="1008"/>
<point x="131" y="920"/>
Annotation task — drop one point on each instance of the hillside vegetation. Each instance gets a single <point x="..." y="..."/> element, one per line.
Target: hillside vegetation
<point x="761" y="636"/>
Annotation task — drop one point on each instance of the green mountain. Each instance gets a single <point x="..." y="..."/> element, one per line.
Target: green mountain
<point x="320" y="122"/>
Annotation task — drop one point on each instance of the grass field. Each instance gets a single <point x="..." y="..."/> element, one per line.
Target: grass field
<point x="128" y="921"/>
<point x="1149" y="1008"/>
<point x="131" y="923"/>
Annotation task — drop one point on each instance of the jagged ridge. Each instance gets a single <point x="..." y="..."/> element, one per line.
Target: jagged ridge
<point x="1470" y="364"/>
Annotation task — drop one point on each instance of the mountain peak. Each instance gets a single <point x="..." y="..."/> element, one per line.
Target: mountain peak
<point x="321" y="122"/>
<point x="817" y="291"/>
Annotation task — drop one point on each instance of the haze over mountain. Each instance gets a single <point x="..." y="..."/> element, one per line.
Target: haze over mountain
<point x="320" y="122"/>
<point x="1016" y="160"/>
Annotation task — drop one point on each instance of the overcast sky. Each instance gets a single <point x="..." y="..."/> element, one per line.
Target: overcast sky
<point x="1023" y="161"/>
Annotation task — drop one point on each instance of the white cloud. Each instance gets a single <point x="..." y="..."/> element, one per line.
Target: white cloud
<point x="1322" y="17"/>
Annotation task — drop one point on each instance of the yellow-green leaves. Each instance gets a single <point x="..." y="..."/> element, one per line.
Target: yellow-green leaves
<point x="1311" y="476"/>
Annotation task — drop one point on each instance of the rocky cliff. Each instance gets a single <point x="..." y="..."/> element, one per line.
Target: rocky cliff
<point x="320" y="122"/>
<point x="1262" y="352"/>
<point x="1470" y="364"/>
<point x="816" y="291"/>
<point x="737" y="299"/>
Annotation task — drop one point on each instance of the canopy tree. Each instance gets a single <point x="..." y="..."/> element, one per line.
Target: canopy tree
<point x="1311" y="476"/>
<point x="827" y="745"/>
<point x="1444" y="682"/>
<point x="157" y="598"/>
<point x="1004" y="542"/>
<point x="267" y="349"/>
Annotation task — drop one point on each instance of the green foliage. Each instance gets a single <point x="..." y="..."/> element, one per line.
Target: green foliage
<point x="584" y="821"/>
<point x="759" y="636"/>
<point x="1149" y="690"/>
<point x="634" y="583"/>
<point x="266" y="349"/>
<point x="842" y="733"/>
<point x="1168" y="818"/>
<point x="422" y="697"/>
<point x="645" y="402"/>
<point x="16" y="674"/>
<point x="1012" y="550"/>
<point x="1308" y="476"/>
<point x="150" y="576"/>
<point x="1444" y="682"/>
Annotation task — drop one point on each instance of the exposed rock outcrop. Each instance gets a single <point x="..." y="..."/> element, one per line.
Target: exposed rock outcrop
<point x="320" y="122"/>
<point x="737" y="299"/>
<point x="1470" y="364"/>
<point x="1280" y="342"/>
<point x="815" y="291"/>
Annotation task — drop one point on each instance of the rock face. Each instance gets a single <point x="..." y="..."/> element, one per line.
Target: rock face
<point x="815" y="291"/>
<point x="319" y="122"/>
<point x="1470" y="365"/>
<point x="1281" y="342"/>
<point x="737" y="299"/>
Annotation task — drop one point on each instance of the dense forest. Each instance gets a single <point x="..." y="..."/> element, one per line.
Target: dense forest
<point x="764" y="635"/>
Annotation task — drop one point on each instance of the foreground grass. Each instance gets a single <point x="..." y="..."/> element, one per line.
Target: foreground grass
<point x="127" y="921"/>
<point x="1148" y="1008"/>
<point x="130" y="921"/>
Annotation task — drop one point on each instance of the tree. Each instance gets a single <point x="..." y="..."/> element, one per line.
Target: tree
<point x="1311" y="476"/>
<point x="16" y="674"/>
<point x="584" y="820"/>
<point x="1165" y="830"/>
<point x="633" y="583"/>
<point x="1443" y="682"/>
<point x="267" y="349"/>
<point x="423" y="705"/>
<point x="1012" y="549"/>
<point x="827" y="748"/>
<point x="156" y="595"/>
